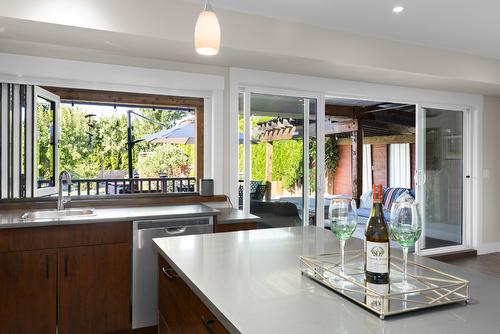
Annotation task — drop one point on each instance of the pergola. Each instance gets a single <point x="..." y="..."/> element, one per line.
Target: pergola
<point x="380" y="123"/>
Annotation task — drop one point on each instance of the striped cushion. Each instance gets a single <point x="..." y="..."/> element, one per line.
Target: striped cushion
<point x="390" y="195"/>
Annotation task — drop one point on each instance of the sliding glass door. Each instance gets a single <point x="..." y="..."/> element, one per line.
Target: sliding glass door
<point x="277" y="153"/>
<point x="441" y="178"/>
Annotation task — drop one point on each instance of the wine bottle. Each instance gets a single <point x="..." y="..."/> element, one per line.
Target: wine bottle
<point x="377" y="250"/>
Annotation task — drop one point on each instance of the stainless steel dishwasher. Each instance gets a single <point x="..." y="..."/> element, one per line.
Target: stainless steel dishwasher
<point x="144" y="261"/>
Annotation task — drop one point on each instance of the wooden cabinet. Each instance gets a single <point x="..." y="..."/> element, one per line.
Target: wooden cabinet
<point x="203" y="320"/>
<point x="174" y="303"/>
<point x="233" y="227"/>
<point x="94" y="289"/>
<point x="74" y="277"/>
<point x="28" y="290"/>
<point x="180" y="310"/>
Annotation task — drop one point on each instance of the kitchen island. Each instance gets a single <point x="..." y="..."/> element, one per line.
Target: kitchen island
<point x="251" y="282"/>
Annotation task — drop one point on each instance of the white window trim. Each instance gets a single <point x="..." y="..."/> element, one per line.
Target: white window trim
<point x="272" y="81"/>
<point x="62" y="73"/>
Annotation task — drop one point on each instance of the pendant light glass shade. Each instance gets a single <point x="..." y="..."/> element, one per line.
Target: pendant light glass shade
<point x="207" y="32"/>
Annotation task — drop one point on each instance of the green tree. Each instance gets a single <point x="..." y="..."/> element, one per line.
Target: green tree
<point x="45" y="149"/>
<point x="168" y="159"/>
<point x="76" y="154"/>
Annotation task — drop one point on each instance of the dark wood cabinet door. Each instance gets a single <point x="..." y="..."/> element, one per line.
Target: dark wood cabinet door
<point x="94" y="289"/>
<point x="162" y="325"/>
<point x="203" y="321"/>
<point x="28" y="292"/>
<point x="173" y="301"/>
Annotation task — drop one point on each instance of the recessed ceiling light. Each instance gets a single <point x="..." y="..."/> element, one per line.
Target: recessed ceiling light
<point x="398" y="9"/>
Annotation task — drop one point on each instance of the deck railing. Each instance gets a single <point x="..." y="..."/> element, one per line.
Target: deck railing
<point x="87" y="187"/>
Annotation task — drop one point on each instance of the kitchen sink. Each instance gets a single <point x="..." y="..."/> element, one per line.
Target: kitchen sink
<point x="58" y="214"/>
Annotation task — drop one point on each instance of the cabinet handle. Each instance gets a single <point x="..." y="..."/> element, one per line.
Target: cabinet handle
<point x="47" y="266"/>
<point x="208" y="324"/>
<point x="166" y="272"/>
<point x="65" y="265"/>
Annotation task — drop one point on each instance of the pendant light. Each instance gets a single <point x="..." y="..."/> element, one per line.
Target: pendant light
<point x="207" y="32"/>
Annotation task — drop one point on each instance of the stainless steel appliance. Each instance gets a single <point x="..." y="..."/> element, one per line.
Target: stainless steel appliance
<point x="144" y="261"/>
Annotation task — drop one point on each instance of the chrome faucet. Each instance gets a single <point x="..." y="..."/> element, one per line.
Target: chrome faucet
<point x="61" y="199"/>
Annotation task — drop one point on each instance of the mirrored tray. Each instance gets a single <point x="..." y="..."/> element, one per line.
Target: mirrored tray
<point x="432" y="287"/>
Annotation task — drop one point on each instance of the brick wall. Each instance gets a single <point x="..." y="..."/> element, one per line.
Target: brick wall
<point x="379" y="164"/>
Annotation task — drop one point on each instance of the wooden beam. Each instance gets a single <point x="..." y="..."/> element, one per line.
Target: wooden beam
<point x="340" y="111"/>
<point x="357" y="164"/>
<point x="124" y="98"/>
<point x="402" y="129"/>
<point x="396" y="139"/>
<point x="341" y="127"/>
<point x="395" y="107"/>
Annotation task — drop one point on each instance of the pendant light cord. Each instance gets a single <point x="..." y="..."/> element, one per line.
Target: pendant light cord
<point x="208" y="7"/>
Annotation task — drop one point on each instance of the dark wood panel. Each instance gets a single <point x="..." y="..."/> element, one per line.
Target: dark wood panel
<point x="162" y="325"/>
<point x="203" y="321"/>
<point x="243" y="226"/>
<point x="116" y="201"/>
<point x="180" y="310"/>
<point x="94" y="289"/>
<point x="132" y="99"/>
<point x="173" y="300"/>
<point x="144" y="330"/>
<point x="31" y="238"/>
<point x="28" y="292"/>
<point x="94" y="234"/>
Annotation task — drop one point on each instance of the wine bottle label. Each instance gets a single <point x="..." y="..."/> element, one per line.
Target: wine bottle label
<point x="377" y="257"/>
<point x="377" y="302"/>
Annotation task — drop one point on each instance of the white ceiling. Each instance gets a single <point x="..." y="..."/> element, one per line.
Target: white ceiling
<point x="469" y="26"/>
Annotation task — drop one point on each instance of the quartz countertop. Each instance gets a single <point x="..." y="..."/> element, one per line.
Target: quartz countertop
<point x="12" y="219"/>
<point x="251" y="281"/>
<point x="232" y="215"/>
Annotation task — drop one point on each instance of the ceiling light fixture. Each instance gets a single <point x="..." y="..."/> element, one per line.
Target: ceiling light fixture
<point x="207" y="32"/>
<point x="398" y="9"/>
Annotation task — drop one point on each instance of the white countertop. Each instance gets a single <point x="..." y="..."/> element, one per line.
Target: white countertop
<point x="251" y="281"/>
<point x="12" y="219"/>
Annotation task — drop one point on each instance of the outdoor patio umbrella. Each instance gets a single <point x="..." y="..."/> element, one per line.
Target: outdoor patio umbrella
<point x="182" y="133"/>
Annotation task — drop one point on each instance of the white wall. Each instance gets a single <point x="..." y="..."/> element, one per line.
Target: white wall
<point x="491" y="175"/>
<point x="163" y="29"/>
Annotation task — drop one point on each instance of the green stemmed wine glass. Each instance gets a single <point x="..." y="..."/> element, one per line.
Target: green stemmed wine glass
<point x="343" y="223"/>
<point x="406" y="228"/>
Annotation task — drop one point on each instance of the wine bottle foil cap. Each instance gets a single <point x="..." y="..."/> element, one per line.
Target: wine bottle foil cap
<point x="377" y="192"/>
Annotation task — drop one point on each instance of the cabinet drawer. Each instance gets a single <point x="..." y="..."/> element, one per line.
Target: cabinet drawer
<point x="203" y="319"/>
<point x="173" y="299"/>
<point x="32" y="238"/>
<point x="94" y="234"/>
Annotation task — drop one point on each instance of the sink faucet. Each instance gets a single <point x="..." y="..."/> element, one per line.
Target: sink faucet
<point x="61" y="199"/>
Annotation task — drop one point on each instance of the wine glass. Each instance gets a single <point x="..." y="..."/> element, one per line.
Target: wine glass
<point x="406" y="228"/>
<point x="343" y="223"/>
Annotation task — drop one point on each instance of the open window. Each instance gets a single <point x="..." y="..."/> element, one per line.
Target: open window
<point x="46" y="120"/>
<point x="112" y="143"/>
